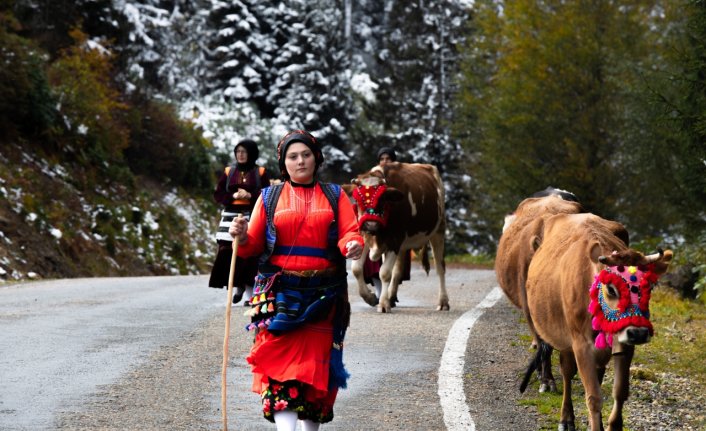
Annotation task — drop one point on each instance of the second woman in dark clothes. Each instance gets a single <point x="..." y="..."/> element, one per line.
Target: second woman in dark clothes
<point x="237" y="190"/>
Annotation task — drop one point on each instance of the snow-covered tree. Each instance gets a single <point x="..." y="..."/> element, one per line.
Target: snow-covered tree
<point x="311" y="88"/>
<point x="166" y="46"/>
<point x="241" y="52"/>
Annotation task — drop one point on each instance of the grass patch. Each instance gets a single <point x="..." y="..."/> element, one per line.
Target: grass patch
<point x="678" y="345"/>
<point x="474" y="260"/>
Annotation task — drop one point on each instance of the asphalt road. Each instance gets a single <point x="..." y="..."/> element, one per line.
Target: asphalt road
<point x="145" y="353"/>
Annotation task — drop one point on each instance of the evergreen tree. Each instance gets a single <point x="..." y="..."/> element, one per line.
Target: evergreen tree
<point x="681" y="116"/>
<point x="311" y="87"/>
<point x="414" y="48"/>
<point x="165" y="46"/>
<point x="49" y="22"/>
<point x="241" y="53"/>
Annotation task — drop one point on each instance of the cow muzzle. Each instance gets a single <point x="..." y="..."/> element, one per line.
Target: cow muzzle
<point x="634" y="336"/>
<point x="371" y="227"/>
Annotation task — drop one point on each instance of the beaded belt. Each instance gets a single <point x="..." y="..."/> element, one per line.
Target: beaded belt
<point x="295" y="281"/>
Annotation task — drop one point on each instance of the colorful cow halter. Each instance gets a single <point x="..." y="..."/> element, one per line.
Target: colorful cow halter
<point x="368" y="198"/>
<point x="634" y="285"/>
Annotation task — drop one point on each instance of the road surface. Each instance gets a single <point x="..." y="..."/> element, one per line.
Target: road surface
<point x="145" y="353"/>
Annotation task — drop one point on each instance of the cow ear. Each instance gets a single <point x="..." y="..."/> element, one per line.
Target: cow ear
<point x="392" y="195"/>
<point x="535" y="242"/>
<point x="597" y="254"/>
<point x="668" y="254"/>
<point x="348" y="188"/>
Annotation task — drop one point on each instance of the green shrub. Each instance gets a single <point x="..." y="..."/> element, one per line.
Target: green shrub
<point x="89" y="103"/>
<point x="26" y="102"/>
<point x="166" y="148"/>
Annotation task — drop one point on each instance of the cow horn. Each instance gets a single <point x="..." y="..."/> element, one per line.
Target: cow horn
<point x="654" y="257"/>
<point x="355" y="181"/>
<point x="602" y="259"/>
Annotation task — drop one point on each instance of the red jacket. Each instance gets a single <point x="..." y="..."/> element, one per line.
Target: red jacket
<point x="302" y="218"/>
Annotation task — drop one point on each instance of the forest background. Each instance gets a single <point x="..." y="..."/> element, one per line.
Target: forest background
<point x="116" y="117"/>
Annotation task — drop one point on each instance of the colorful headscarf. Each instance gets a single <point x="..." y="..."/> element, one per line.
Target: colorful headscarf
<point x="298" y="136"/>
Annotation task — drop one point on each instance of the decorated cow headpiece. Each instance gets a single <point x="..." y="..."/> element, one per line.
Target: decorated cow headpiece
<point x="368" y="199"/>
<point x="620" y="297"/>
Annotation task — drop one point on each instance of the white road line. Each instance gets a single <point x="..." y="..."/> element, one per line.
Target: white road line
<point x="457" y="417"/>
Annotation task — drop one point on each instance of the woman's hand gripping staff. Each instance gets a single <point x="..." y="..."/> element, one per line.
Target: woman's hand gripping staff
<point x="239" y="229"/>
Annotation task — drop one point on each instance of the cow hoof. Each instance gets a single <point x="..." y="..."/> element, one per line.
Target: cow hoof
<point x="442" y="307"/>
<point x="567" y="426"/>
<point x="384" y="309"/>
<point x="549" y="386"/>
<point x="371" y="300"/>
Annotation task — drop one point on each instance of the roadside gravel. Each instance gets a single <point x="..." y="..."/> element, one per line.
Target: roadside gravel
<point x="495" y="360"/>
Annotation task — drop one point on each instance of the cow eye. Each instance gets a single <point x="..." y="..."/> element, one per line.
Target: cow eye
<point x="611" y="291"/>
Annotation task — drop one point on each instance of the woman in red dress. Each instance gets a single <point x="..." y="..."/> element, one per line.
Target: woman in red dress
<point x="300" y="315"/>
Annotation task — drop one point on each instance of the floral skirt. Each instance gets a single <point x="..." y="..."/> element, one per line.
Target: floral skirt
<point x="291" y="371"/>
<point x="297" y="397"/>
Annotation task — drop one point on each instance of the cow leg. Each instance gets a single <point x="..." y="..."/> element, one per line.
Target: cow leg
<point x="388" y="263"/>
<point x="567" y="363"/>
<point x="621" y="386"/>
<point x="437" y="247"/>
<point x="357" y="269"/>
<point x="397" y="271"/>
<point x="545" y="373"/>
<point x="378" y="288"/>
<point x="586" y="362"/>
<point x="544" y="368"/>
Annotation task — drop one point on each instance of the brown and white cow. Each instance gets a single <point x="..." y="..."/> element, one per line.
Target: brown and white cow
<point x="521" y="237"/>
<point x="588" y="296"/>
<point x="400" y="207"/>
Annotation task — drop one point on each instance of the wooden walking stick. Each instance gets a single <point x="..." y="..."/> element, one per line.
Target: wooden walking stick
<point x="229" y="305"/>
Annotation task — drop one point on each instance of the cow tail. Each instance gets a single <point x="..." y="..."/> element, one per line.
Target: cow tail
<point x="543" y="352"/>
<point x="425" y="258"/>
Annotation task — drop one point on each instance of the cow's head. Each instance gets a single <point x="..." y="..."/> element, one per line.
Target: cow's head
<point x="373" y="197"/>
<point x="620" y="296"/>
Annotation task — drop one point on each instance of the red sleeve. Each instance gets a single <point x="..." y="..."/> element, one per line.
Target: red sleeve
<point x="255" y="244"/>
<point x="347" y="223"/>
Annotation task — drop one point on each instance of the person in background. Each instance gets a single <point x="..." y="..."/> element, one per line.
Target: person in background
<point x="237" y="190"/>
<point x="371" y="270"/>
<point x="302" y="230"/>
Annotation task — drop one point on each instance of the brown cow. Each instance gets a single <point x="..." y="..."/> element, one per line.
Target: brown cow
<point x="521" y="236"/>
<point x="582" y="261"/>
<point x="400" y="207"/>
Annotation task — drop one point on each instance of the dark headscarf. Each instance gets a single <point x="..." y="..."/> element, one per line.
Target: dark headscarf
<point x="253" y="153"/>
<point x="298" y="136"/>
<point x="389" y="151"/>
